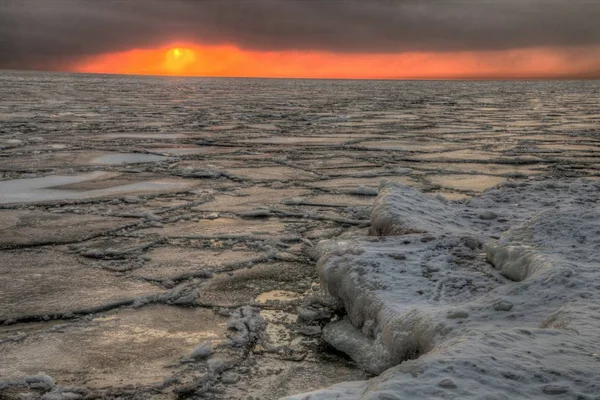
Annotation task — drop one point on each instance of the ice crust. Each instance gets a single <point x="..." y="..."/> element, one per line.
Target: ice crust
<point x="444" y="302"/>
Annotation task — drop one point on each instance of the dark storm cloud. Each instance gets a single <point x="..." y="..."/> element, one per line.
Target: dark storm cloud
<point x="50" y="32"/>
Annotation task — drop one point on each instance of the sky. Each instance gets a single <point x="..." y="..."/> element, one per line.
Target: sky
<point x="382" y="39"/>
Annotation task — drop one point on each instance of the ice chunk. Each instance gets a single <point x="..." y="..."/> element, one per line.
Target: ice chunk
<point x="248" y="324"/>
<point x="400" y="209"/>
<point x="203" y="350"/>
<point x="429" y="302"/>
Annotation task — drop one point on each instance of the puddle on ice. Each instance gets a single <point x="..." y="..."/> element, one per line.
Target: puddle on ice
<point x="298" y="140"/>
<point x="224" y="127"/>
<point x="561" y="148"/>
<point x="403" y="145"/>
<point x="264" y="127"/>
<point x="127" y="158"/>
<point x="574" y="126"/>
<point x="277" y="295"/>
<point x="334" y="163"/>
<point x="482" y="169"/>
<point x="476" y="183"/>
<point x="48" y="188"/>
<point x="445" y="130"/>
<point x="8" y="143"/>
<point x="354" y="183"/>
<point x="355" y="172"/>
<point x="460" y="155"/>
<point x="327" y="200"/>
<point x="75" y="158"/>
<point x="222" y="226"/>
<point x="138" y="135"/>
<point x="555" y="138"/>
<point x="247" y="199"/>
<point x="192" y="150"/>
<point x="273" y="173"/>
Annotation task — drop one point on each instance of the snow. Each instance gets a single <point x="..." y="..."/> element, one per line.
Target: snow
<point x="248" y="325"/>
<point x="40" y="381"/>
<point x="203" y="350"/>
<point x="443" y="303"/>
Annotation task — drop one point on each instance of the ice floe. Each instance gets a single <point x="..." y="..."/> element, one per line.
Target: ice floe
<point x="444" y="303"/>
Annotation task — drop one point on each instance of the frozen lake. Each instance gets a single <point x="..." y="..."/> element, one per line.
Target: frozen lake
<point x="141" y="217"/>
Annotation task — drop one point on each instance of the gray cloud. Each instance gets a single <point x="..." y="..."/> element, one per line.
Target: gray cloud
<point x="49" y="33"/>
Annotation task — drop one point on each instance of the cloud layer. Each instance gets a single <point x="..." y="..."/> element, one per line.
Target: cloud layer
<point x="51" y="33"/>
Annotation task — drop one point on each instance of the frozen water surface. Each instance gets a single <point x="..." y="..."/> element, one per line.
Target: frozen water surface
<point x="27" y="228"/>
<point x="277" y="295"/>
<point x="177" y="263"/>
<point x="46" y="157"/>
<point x="305" y="141"/>
<point x="476" y="183"/>
<point x="45" y="283"/>
<point x="192" y="150"/>
<point x="127" y="158"/>
<point x="54" y="187"/>
<point x="139" y="347"/>
<point x="219" y="238"/>
<point x="127" y="135"/>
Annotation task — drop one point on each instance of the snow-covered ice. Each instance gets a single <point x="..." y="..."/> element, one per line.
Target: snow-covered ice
<point x="443" y="307"/>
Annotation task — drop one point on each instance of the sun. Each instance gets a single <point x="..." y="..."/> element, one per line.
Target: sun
<point x="179" y="59"/>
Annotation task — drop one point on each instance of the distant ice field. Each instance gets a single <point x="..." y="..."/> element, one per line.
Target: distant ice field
<point x="267" y="238"/>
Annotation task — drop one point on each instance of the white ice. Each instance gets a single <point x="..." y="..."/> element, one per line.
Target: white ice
<point x="498" y="297"/>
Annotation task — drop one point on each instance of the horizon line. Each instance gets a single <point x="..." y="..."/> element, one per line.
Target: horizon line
<point x="474" y="78"/>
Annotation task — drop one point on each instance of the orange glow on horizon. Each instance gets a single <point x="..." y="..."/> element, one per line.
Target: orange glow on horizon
<point x="178" y="60"/>
<point x="230" y="61"/>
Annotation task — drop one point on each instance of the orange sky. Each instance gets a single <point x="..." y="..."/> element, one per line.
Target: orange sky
<point x="184" y="59"/>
